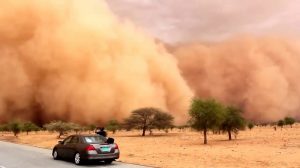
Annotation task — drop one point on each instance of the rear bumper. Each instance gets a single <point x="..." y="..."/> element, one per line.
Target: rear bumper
<point x="102" y="156"/>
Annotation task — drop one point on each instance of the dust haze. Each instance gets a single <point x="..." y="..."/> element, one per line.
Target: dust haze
<point x="73" y="60"/>
<point x="76" y="61"/>
<point x="258" y="74"/>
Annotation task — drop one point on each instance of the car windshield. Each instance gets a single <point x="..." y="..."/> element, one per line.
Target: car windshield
<point x="94" y="139"/>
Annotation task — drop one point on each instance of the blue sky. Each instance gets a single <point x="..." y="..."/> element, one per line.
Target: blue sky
<point x="210" y="20"/>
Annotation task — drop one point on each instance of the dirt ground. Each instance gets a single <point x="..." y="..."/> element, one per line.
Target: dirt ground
<point x="261" y="147"/>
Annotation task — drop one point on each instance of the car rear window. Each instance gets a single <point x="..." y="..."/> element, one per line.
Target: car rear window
<point x="94" y="139"/>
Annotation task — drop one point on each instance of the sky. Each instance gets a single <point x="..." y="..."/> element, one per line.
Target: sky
<point x="176" y="21"/>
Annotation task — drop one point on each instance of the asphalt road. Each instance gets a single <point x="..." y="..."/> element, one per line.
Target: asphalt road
<point x="21" y="156"/>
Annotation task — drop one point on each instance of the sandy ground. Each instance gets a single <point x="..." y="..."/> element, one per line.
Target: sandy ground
<point x="261" y="147"/>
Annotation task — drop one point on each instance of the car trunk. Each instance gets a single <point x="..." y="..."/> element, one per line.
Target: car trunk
<point x="104" y="148"/>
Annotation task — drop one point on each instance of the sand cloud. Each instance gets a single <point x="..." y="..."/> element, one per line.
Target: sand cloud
<point x="73" y="60"/>
<point x="260" y="75"/>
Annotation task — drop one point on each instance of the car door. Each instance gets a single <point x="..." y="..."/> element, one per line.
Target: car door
<point x="64" y="149"/>
<point x="72" y="147"/>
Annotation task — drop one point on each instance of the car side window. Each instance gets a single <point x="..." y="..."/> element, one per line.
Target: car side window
<point x="75" y="140"/>
<point x="68" y="140"/>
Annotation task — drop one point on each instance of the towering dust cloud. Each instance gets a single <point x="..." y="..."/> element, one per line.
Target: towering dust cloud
<point x="261" y="75"/>
<point x="73" y="60"/>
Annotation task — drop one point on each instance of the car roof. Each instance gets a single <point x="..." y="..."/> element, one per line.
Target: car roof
<point x="88" y="135"/>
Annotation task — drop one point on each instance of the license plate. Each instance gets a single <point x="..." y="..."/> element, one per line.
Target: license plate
<point x="105" y="149"/>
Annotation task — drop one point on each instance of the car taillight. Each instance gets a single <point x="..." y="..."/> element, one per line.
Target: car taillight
<point x="90" y="148"/>
<point x="116" y="146"/>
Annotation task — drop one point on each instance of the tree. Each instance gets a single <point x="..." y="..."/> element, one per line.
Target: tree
<point x="280" y="123"/>
<point x="182" y="127"/>
<point x="58" y="126"/>
<point x="163" y="121"/>
<point x="205" y="115"/>
<point x="113" y="125"/>
<point x="29" y="126"/>
<point x="289" y="121"/>
<point x="15" y="127"/>
<point x="4" y="128"/>
<point x="141" y="119"/>
<point x="233" y="121"/>
<point x="250" y="125"/>
<point x="90" y="128"/>
<point x="144" y="119"/>
<point x="76" y="127"/>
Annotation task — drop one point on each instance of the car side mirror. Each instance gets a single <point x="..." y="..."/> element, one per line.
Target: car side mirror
<point x="110" y="141"/>
<point x="60" y="142"/>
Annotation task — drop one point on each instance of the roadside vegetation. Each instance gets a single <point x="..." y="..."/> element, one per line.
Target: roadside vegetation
<point x="205" y="115"/>
<point x="16" y="127"/>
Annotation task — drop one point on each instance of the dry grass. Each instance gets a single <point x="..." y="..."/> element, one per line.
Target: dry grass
<point x="261" y="147"/>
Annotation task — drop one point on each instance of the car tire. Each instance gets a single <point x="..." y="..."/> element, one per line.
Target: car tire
<point x="77" y="159"/>
<point x="55" y="155"/>
<point x="108" y="161"/>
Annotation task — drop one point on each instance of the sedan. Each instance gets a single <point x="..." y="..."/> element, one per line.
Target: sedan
<point x="82" y="148"/>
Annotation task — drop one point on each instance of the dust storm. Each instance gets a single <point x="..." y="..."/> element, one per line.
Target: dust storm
<point x="258" y="74"/>
<point x="76" y="61"/>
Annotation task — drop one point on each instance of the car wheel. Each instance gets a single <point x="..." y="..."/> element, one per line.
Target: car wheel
<point x="55" y="155"/>
<point x="108" y="161"/>
<point x="77" y="159"/>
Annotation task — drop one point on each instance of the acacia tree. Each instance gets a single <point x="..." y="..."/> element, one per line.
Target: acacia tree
<point x="58" y="126"/>
<point x="76" y="127"/>
<point x="289" y="121"/>
<point x="145" y="119"/>
<point x="29" y="126"/>
<point x="141" y="119"/>
<point x="113" y="125"/>
<point x="206" y="115"/>
<point x="233" y="121"/>
<point x="163" y="121"/>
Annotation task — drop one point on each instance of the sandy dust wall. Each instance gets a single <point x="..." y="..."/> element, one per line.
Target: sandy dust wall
<point x="261" y="75"/>
<point x="73" y="60"/>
